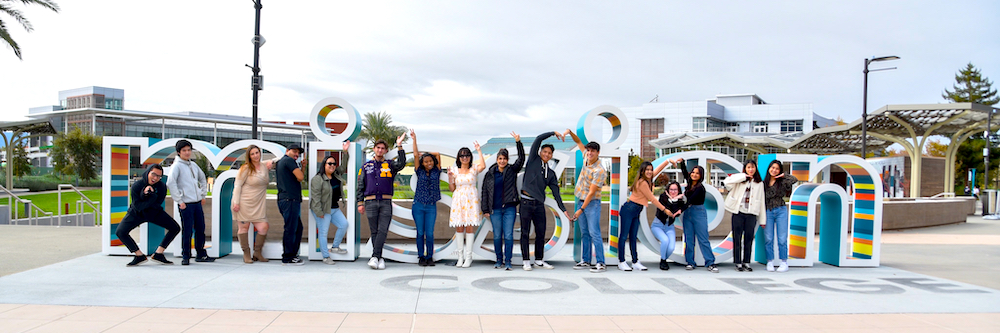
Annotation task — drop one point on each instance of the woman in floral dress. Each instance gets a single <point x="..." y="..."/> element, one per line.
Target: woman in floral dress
<point x="465" y="210"/>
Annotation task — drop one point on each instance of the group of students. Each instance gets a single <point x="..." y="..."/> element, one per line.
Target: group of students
<point x="751" y="201"/>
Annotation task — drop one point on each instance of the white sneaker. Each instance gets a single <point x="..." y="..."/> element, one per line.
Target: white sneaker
<point x="543" y="264"/>
<point x="329" y="261"/>
<point x="638" y="265"/>
<point x="624" y="266"/>
<point x="373" y="263"/>
<point x="381" y="263"/>
<point x="338" y="250"/>
<point x="527" y="265"/>
<point x="783" y="268"/>
<point x="770" y="266"/>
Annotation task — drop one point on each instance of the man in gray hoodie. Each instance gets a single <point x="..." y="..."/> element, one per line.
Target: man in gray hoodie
<point x="188" y="187"/>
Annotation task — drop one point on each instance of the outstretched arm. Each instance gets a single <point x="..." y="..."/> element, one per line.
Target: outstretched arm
<point x="661" y="167"/>
<point x="481" y="165"/>
<point x="519" y="162"/>
<point x="575" y="139"/>
<point x="400" y="156"/>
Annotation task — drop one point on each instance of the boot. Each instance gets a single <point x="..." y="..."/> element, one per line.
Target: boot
<point x="460" y="243"/>
<point x="258" y="246"/>
<point x="245" y="245"/>
<point x="470" y="239"/>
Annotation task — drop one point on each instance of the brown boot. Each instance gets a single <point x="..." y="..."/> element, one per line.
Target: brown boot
<point x="258" y="246"/>
<point x="245" y="245"/>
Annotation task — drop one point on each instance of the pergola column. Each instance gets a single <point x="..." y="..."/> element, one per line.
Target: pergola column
<point x="951" y="154"/>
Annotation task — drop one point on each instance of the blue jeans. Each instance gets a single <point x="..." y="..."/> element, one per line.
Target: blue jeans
<point x="777" y="223"/>
<point x="503" y="233"/>
<point x="424" y="217"/>
<point x="590" y="231"/>
<point x="335" y="217"/>
<point x="696" y="227"/>
<point x="193" y="222"/>
<point x="291" y="240"/>
<point x="667" y="237"/>
<point x="629" y="229"/>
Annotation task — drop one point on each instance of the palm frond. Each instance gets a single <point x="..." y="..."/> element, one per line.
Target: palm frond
<point x="10" y="41"/>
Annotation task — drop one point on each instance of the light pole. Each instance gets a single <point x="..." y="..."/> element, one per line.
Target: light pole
<point x="864" y="103"/>
<point x="256" y="81"/>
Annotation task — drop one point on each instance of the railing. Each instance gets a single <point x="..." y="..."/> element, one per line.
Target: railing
<point x="31" y="207"/>
<point x="79" y="204"/>
<point x="944" y="194"/>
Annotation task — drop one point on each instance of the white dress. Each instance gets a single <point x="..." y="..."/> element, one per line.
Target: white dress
<point x="465" y="209"/>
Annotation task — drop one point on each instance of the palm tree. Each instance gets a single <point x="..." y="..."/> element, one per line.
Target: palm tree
<point x="378" y="126"/>
<point x="7" y="7"/>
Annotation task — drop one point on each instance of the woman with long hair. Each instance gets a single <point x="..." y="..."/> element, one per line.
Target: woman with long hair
<point x="425" y="198"/>
<point x="663" y="227"/>
<point x="465" y="209"/>
<point x="777" y="186"/>
<point x="695" y="222"/>
<point x="745" y="204"/>
<point x="500" y="199"/>
<point x="642" y="194"/>
<point x="249" y="204"/>
<point x="326" y="189"/>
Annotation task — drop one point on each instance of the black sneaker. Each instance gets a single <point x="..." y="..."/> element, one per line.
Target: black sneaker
<point x="185" y="261"/>
<point x="746" y="267"/>
<point x="421" y="262"/>
<point x="739" y="267"/>
<point x="137" y="260"/>
<point x="582" y="265"/>
<point x="295" y="261"/>
<point x="430" y="262"/>
<point x="204" y="258"/>
<point x="664" y="265"/>
<point x="713" y="268"/>
<point x="160" y="258"/>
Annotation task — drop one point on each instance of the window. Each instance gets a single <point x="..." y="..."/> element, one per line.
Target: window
<point x="759" y="126"/>
<point x="698" y="125"/>
<point x="790" y="126"/>
<point x="649" y="129"/>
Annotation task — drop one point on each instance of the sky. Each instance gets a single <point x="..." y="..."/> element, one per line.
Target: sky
<point x="458" y="71"/>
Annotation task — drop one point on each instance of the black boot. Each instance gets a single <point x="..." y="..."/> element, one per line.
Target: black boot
<point x="664" y="265"/>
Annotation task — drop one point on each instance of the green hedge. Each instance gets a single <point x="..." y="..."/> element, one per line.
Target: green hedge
<point x="50" y="182"/>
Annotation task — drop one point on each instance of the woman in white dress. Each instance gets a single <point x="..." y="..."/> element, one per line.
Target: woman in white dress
<point x="465" y="210"/>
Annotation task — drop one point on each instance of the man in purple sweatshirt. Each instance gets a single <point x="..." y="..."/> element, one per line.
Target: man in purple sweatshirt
<point x="374" y="195"/>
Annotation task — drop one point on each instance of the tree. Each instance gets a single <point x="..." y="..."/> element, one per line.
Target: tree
<point x="76" y="153"/>
<point x="20" y="162"/>
<point x="7" y="7"/>
<point x="972" y="87"/>
<point x="378" y="126"/>
<point x="633" y="167"/>
<point x="936" y="148"/>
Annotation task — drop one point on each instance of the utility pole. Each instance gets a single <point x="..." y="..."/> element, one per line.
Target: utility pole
<point x="257" y="81"/>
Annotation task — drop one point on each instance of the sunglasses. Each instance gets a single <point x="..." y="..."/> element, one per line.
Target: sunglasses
<point x="460" y="156"/>
<point x="331" y="163"/>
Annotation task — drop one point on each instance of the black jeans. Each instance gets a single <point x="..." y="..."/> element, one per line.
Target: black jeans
<point x="532" y="213"/>
<point x="291" y="240"/>
<point x="744" y="226"/>
<point x="379" y="213"/>
<point x="193" y="222"/>
<point x="158" y="217"/>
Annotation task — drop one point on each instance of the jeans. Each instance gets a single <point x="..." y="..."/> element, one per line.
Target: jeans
<point x="155" y="216"/>
<point x="590" y="231"/>
<point x="379" y="213"/>
<point x="193" y="222"/>
<point x="695" y="223"/>
<point x="335" y="217"/>
<point x="666" y="235"/>
<point x="744" y="226"/>
<point x="424" y="217"/>
<point x="291" y="240"/>
<point x="629" y="229"/>
<point x="503" y="233"/>
<point x="777" y="223"/>
<point x="532" y="213"/>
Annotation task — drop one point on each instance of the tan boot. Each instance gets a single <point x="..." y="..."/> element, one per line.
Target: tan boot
<point x="258" y="246"/>
<point x="245" y="245"/>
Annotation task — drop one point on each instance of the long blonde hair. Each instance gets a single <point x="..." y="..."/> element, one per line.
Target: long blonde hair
<point x="248" y="165"/>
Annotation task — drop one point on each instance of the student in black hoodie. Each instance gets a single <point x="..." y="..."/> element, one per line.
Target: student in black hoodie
<point x="147" y="206"/>
<point x="537" y="177"/>
<point x="500" y="199"/>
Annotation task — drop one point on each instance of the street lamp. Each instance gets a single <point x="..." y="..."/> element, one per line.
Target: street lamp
<point x="257" y="81"/>
<point x="864" y="103"/>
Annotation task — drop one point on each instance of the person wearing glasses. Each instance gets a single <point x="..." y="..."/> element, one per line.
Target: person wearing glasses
<point x="148" y="194"/>
<point x="325" y="193"/>
<point x="465" y="209"/>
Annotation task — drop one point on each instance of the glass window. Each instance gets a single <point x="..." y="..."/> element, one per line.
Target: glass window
<point x="759" y="127"/>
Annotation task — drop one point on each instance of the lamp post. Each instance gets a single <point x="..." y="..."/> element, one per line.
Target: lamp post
<point x="864" y="103"/>
<point x="256" y="81"/>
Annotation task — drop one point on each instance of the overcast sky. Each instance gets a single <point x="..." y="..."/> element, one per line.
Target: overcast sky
<point x="464" y="70"/>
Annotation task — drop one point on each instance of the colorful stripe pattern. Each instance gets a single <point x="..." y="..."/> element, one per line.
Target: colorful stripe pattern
<point x="798" y="213"/>
<point x="119" y="189"/>
<point x="800" y="170"/>
<point x="864" y="210"/>
<point x="614" y="206"/>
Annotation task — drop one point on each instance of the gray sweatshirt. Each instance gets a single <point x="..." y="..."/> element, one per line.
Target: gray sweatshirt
<point x="186" y="182"/>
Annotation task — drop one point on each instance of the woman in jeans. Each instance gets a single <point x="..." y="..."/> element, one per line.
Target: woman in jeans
<point x="249" y="204"/>
<point x="777" y="186"/>
<point x="326" y="189"/>
<point x="745" y="204"/>
<point x="695" y="222"/>
<point x="425" y="198"/>
<point x="499" y="201"/>
<point x="642" y="194"/>
<point x="663" y="227"/>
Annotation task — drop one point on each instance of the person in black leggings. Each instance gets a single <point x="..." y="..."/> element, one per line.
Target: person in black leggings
<point x="147" y="206"/>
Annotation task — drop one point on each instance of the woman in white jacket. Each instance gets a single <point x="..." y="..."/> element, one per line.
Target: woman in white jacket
<point x="745" y="202"/>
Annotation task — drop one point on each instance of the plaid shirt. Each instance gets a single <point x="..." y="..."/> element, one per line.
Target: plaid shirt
<point x="593" y="174"/>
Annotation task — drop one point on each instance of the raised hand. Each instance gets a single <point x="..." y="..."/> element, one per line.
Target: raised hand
<point x="147" y="190"/>
<point x="560" y="136"/>
<point x="517" y="138"/>
<point x="779" y="176"/>
<point x="413" y="135"/>
<point x="476" y="145"/>
<point x="678" y="160"/>
<point x="451" y="176"/>
<point x="399" y="140"/>
<point x="347" y="145"/>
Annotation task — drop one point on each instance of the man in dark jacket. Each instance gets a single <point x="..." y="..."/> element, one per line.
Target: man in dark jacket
<point x="289" y="178"/>
<point x="374" y="195"/>
<point x="500" y="199"/>
<point x="537" y="176"/>
<point x="147" y="206"/>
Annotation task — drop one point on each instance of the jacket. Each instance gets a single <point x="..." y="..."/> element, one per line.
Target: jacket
<point x="375" y="178"/>
<point x="320" y="191"/>
<point x="538" y="176"/>
<point x="142" y="201"/>
<point x="187" y="183"/>
<point x="737" y="185"/>
<point x="510" y="194"/>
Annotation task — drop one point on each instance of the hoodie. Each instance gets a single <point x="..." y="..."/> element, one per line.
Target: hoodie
<point x="187" y="182"/>
<point x="144" y="201"/>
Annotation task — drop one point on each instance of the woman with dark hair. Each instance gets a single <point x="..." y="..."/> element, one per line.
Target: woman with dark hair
<point x="148" y="194"/>
<point x="642" y="194"/>
<point x="745" y="204"/>
<point x="663" y="227"/>
<point x="465" y="209"/>
<point x="326" y="189"/>
<point x="500" y="199"/>
<point x="777" y="186"/>
<point x="425" y="198"/>
<point x="695" y="222"/>
<point x="249" y="204"/>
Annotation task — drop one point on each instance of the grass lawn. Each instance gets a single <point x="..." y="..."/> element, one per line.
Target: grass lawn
<point x="49" y="201"/>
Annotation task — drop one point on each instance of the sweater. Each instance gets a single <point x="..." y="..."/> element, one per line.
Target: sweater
<point x="737" y="185"/>
<point x="187" y="183"/>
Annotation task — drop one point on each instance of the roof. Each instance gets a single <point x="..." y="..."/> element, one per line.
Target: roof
<point x="33" y="126"/>
<point x="195" y="117"/>
<point x="758" y="142"/>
